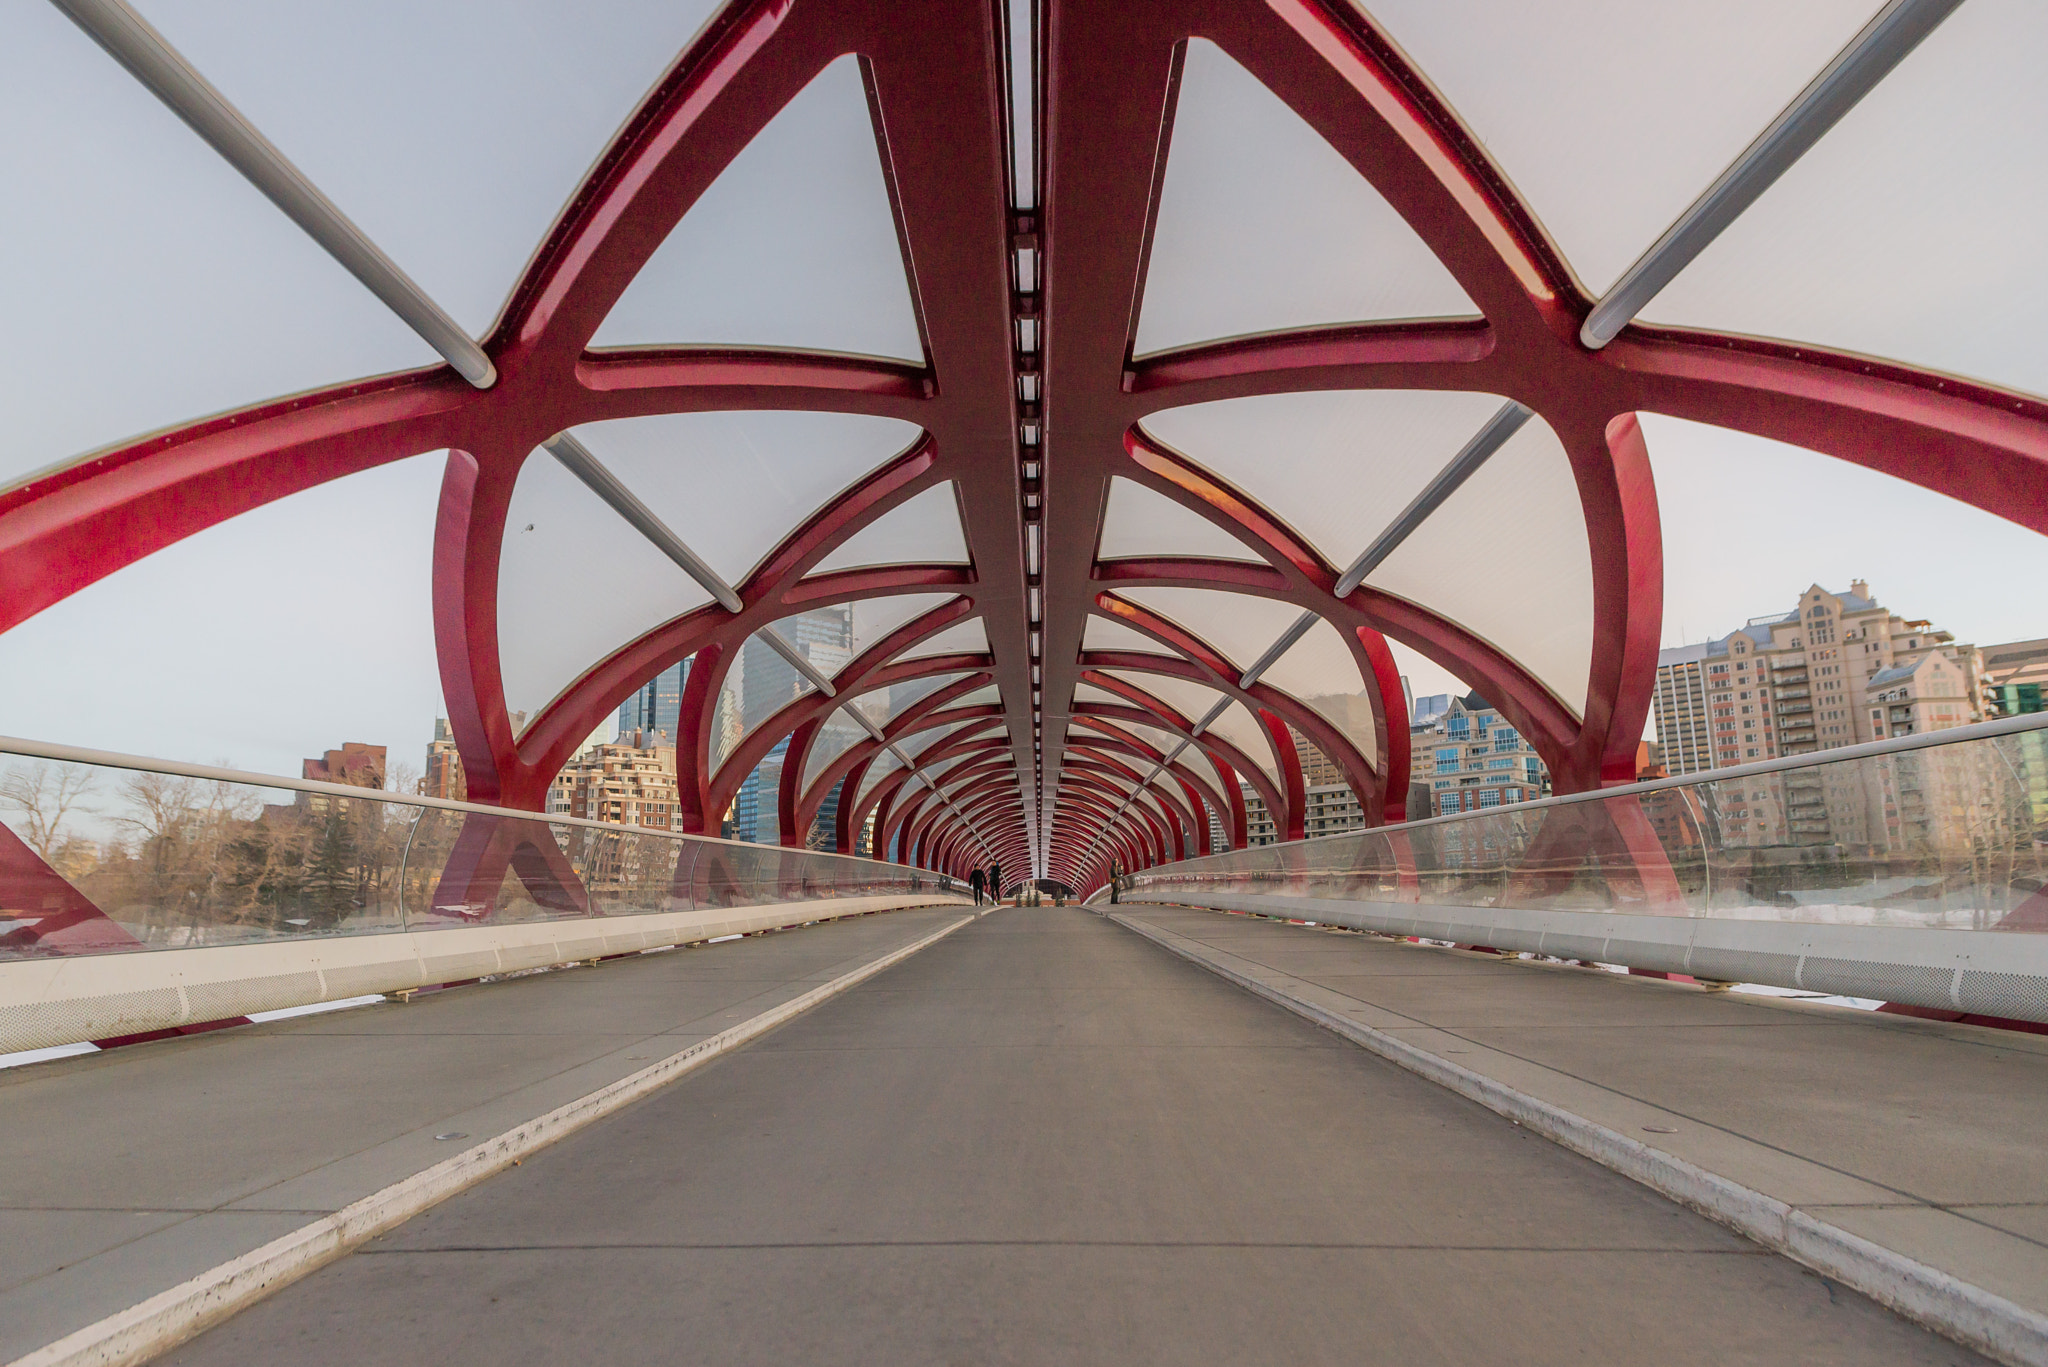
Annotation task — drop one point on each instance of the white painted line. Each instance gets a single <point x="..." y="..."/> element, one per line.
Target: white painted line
<point x="1942" y="1302"/>
<point x="171" y="1317"/>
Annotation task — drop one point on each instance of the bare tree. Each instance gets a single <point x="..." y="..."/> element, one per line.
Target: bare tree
<point x="44" y="799"/>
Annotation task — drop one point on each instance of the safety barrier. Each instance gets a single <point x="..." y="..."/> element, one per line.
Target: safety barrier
<point x="143" y="896"/>
<point x="1910" y="870"/>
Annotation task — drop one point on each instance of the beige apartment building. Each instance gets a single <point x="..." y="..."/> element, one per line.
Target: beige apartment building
<point x="628" y="784"/>
<point x="1840" y="669"/>
<point x="1806" y="681"/>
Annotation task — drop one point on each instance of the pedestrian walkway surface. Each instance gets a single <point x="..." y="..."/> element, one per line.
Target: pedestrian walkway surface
<point x="1922" y="1137"/>
<point x="132" y="1170"/>
<point x="1045" y="1140"/>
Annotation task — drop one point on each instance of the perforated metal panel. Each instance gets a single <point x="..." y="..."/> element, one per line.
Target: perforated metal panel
<point x="2019" y="996"/>
<point x="359" y="979"/>
<point x="1744" y="966"/>
<point x="1573" y="946"/>
<point x="37" y="1025"/>
<point x="241" y="996"/>
<point x="1911" y="983"/>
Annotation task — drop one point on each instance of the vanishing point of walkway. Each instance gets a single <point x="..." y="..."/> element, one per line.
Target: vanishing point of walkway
<point x="1046" y="1140"/>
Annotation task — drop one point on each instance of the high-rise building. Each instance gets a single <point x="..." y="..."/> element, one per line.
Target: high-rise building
<point x="2018" y="675"/>
<point x="443" y="776"/>
<point x="356" y="764"/>
<point x="1804" y="681"/>
<point x="1681" y="705"/>
<point x="631" y="783"/>
<point x="1467" y="758"/>
<point x="657" y="705"/>
<point x="760" y="684"/>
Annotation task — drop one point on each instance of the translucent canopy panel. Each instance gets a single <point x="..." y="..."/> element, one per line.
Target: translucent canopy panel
<point x="1507" y="558"/>
<point x="1194" y="758"/>
<point x="1608" y="163"/>
<point x="875" y="618"/>
<point x="924" y="531"/>
<point x="252" y="643"/>
<point x="794" y="245"/>
<point x="1912" y="231"/>
<point x="575" y="583"/>
<point x="835" y="737"/>
<point x="1320" y="670"/>
<point x="733" y="485"/>
<point x="1262" y="225"/>
<point x="1239" y="625"/>
<point x="387" y="70"/>
<point x="879" y="705"/>
<point x="1140" y="522"/>
<point x="145" y="284"/>
<point x="761" y="682"/>
<point x="1086" y="692"/>
<point x="979" y="696"/>
<point x="884" y="765"/>
<point x="1337" y="466"/>
<point x="1193" y="701"/>
<point x="969" y="637"/>
<point x="1107" y="633"/>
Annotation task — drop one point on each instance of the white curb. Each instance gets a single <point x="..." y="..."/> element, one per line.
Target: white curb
<point x="170" y="1317"/>
<point x="1954" y="1308"/>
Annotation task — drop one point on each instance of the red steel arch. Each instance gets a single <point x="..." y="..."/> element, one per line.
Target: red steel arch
<point x="936" y="84"/>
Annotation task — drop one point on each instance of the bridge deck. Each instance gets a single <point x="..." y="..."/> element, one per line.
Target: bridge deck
<point x="132" y="1170"/>
<point x="1044" y="1139"/>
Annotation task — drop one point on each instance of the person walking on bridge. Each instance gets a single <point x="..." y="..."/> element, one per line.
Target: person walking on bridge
<point x="995" y="881"/>
<point x="976" y="881"/>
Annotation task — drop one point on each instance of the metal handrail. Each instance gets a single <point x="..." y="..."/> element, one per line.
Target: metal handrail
<point x="2003" y="726"/>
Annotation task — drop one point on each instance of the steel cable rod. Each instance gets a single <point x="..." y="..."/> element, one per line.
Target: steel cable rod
<point x="1868" y="58"/>
<point x="130" y="40"/>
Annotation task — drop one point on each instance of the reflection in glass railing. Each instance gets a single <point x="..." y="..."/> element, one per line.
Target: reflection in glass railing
<point x="98" y="858"/>
<point x="1948" y="836"/>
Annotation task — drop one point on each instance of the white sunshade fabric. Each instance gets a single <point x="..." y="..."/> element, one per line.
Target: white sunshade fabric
<point x="1262" y="225"/>
<point x="575" y="582"/>
<point x="925" y="530"/>
<point x="842" y="732"/>
<point x="1506" y="556"/>
<point x="463" y="227"/>
<point x="1139" y="522"/>
<point x="969" y="636"/>
<point x="1107" y="633"/>
<point x="198" y="305"/>
<point x="793" y="245"/>
<point x="1697" y="84"/>
<point x="1192" y="700"/>
<point x="1913" y="230"/>
<point x="875" y="618"/>
<point x="1337" y="466"/>
<point x="1317" y="670"/>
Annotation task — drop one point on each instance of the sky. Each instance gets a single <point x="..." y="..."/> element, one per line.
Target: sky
<point x="142" y="284"/>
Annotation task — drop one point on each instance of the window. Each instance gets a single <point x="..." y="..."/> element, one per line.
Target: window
<point x="1504" y="738"/>
<point x="1500" y="764"/>
<point x="1490" y="798"/>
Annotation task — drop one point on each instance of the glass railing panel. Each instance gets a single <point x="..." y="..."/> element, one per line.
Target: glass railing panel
<point x="104" y="857"/>
<point x="1950" y="835"/>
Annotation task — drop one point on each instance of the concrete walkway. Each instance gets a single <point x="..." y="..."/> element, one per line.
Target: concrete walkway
<point x="129" y="1171"/>
<point x="1045" y="1140"/>
<point x="1921" y="1137"/>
